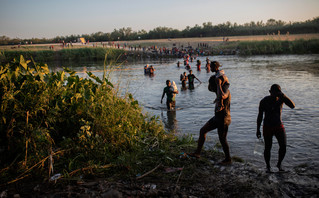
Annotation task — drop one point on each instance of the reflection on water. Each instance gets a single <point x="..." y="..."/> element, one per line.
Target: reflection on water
<point x="169" y="120"/>
<point x="250" y="79"/>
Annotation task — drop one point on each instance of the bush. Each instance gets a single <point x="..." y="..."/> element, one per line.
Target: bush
<point x="279" y="47"/>
<point x="73" y="54"/>
<point x="63" y="121"/>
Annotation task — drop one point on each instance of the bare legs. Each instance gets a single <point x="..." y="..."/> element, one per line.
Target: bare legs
<point x="222" y="134"/>
<point x="282" y="141"/>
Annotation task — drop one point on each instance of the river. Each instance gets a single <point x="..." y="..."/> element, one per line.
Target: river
<point x="250" y="80"/>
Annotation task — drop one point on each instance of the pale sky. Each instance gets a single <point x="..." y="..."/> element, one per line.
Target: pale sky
<point x="51" y="18"/>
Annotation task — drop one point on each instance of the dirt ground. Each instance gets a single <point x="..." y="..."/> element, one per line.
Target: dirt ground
<point x="191" y="178"/>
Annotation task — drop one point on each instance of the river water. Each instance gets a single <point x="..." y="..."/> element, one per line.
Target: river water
<point x="250" y="79"/>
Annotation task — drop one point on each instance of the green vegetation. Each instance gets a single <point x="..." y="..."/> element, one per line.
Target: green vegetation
<point x="267" y="47"/>
<point x="279" y="47"/>
<point x="60" y="123"/>
<point x="72" y="54"/>
<point x="272" y="26"/>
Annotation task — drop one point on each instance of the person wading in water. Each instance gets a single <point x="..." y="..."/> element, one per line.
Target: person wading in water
<point x="273" y="126"/>
<point x="170" y="95"/>
<point x="220" y="121"/>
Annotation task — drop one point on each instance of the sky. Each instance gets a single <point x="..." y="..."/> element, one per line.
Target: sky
<point x="50" y="18"/>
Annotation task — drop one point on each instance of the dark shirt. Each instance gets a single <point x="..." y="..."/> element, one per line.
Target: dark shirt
<point x="169" y="91"/>
<point x="191" y="78"/>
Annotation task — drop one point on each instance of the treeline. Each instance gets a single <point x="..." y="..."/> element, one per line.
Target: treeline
<point x="272" y="26"/>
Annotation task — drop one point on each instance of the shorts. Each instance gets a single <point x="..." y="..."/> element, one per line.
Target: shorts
<point x="170" y="105"/>
<point x="271" y="131"/>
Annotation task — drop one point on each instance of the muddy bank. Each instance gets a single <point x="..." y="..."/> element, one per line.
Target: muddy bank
<point x="190" y="178"/>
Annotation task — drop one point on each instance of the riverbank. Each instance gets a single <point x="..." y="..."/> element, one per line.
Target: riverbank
<point x="163" y="48"/>
<point x="182" y="178"/>
<point x="90" y="177"/>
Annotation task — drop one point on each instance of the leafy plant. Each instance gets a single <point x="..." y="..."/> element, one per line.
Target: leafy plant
<point x="58" y="122"/>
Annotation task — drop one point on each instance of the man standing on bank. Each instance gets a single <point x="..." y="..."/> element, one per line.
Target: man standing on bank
<point x="273" y="126"/>
<point x="221" y="121"/>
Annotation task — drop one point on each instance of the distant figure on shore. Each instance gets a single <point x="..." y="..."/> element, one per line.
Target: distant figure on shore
<point x="220" y="121"/>
<point x="191" y="77"/>
<point x="170" y="92"/>
<point x="273" y="126"/>
<point x="178" y="63"/>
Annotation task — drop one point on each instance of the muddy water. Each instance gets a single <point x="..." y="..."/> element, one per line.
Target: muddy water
<point x="250" y="79"/>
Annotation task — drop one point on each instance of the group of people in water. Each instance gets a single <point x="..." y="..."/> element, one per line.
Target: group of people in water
<point x="188" y="59"/>
<point x="270" y="107"/>
<point x="149" y="70"/>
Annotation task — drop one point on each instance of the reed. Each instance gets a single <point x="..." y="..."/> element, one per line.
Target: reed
<point x="57" y="122"/>
<point x="73" y="54"/>
<point x="89" y="53"/>
<point x="279" y="47"/>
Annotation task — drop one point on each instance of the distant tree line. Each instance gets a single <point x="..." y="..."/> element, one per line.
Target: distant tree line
<point x="272" y="26"/>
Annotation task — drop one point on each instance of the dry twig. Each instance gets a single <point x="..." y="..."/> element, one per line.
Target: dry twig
<point x="149" y="172"/>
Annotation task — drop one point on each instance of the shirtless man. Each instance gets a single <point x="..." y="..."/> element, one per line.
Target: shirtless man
<point x="273" y="126"/>
<point x="191" y="77"/>
<point x="198" y="65"/>
<point x="220" y="121"/>
<point x="183" y="78"/>
<point x="151" y="70"/>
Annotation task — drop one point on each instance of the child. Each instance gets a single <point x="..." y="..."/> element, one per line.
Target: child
<point x="224" y="85"/>
<point x="183" y="78"/>
<point x="174" y="86"/>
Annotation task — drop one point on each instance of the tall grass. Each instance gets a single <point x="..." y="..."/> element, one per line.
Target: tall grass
<point x="279" y="47"/>
<point x="90" y="53"/>
<point x="39" y="55"/>
<point x="57" y="122"/>
<point x="73" y="54"/>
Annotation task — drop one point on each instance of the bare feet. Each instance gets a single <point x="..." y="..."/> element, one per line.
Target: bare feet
<point x="268" y="169"/>
<point x="280" y="168"/>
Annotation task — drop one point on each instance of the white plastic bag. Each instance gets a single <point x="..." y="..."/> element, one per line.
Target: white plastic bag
<point x="259" y="147"/>
<point x="174" y="86"/>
